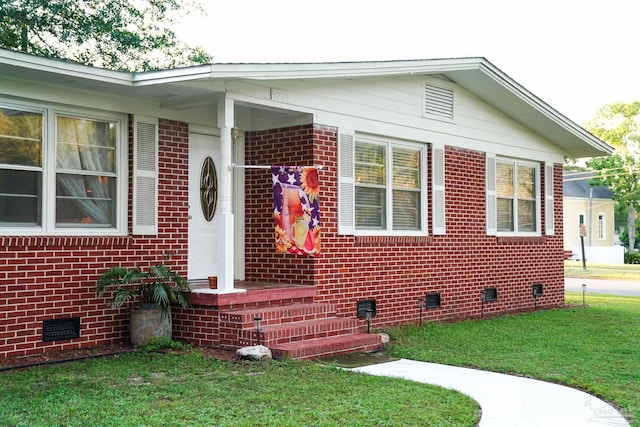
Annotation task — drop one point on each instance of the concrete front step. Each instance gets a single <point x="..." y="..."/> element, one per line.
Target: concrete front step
<point x="297" y="331"/>
<point x="275" y="315"/>
<point x="320" y="347"/>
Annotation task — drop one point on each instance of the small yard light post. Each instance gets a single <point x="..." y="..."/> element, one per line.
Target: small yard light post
<point x="257" y="326"/>
<point x="584" y="291"/>
<point x="421" y="307"/>
<point x="368" y="317"/>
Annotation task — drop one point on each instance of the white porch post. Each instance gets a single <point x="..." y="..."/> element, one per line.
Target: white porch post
<point x="224" y="216"/>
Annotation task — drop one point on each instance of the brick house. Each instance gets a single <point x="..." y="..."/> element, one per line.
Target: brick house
<point x="425" y="164"/>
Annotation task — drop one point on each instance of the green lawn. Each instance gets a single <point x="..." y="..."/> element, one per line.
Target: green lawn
<point x="151" y="389"/>
<point x="602" y="271"/>
<point x="595" y="348"/>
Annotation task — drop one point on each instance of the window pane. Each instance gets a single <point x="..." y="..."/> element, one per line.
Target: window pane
<point x="406" y="210"/>
<point x="526" y="182"/>
<point x="526" y="215"/>
<point x="370" y="164"/>
<point x="370" y="207"/>
<point x="82" y="199"/>
<point x="406" y="168"/>
<point x="370" y="174"/>
<point x="20" y="197"/>
<point x="504" y="179"/>
<point x="505" y="214"/>
<point x="85" y="145"/>
<point x="20" y="137"/>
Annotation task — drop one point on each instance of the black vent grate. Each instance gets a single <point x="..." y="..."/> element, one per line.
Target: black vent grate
<point x="433" y="300"/>
<point x="490" y="294"/>
<point x="61" y="329"/>
<point x="364" y="306"/>
<point x="537" y="289"/>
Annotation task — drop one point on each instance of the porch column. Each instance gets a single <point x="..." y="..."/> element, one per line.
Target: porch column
<point x="224" y="215"/>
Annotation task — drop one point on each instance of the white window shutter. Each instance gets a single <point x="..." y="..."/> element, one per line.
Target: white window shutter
<point x="145" y="175"/>
<point x="437" y="191"/>
<point x="549" y="207"/>
<point x="491" y="208"/>
<point x="346" y="191"/>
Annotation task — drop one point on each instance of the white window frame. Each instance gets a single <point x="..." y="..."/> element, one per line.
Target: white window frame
<point x="49" y="113"/>
<point x="390" y="143"/>
<point x="602" y="226"/>
<point x="538" y="199"/>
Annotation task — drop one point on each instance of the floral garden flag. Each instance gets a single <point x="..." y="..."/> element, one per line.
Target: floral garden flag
<point x="296" y="209"/>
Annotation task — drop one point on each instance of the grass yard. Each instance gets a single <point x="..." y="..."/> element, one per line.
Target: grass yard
<point x="152" y="389"/>
<point x="602" y="271"/>
<point x="595" y="349"/>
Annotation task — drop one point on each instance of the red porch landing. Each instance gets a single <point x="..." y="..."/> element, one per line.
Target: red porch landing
<point x="293" y="325"/>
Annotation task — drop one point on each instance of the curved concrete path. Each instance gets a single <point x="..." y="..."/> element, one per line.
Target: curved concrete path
<point x="507" y="400"/>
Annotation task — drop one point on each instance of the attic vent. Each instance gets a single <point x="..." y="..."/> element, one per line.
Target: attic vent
<point x="438" y="102"/>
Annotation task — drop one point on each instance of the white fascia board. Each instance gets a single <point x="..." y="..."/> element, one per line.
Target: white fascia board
<point x="545" y="109"/>
<point x="57" y="66"/>
<point x="307" y="70"/>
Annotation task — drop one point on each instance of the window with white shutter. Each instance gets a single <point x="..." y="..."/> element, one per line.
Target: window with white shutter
<point x="346" y="138"/>
<point x="548" y="199"/>
<point x="145" y="176"/>
<point x="438" y="190"/>
<point x="513" y="197"/>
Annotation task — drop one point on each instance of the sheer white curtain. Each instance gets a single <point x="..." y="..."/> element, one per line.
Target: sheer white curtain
<point x="86" y="145"/>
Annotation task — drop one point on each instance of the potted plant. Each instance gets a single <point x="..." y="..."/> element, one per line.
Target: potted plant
<point x="155" y="290"/>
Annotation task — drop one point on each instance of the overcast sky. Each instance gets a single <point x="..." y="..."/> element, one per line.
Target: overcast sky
<point x="575" y="55"/>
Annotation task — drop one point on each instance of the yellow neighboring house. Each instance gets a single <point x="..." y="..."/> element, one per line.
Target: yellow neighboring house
<point x="589" y="205"/>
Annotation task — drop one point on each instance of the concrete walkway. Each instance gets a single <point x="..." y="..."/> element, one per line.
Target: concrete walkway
<point x="506" y="400"/>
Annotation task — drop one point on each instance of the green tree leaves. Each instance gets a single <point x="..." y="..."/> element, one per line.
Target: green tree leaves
<point x="619" y="125"/>
<point x="131" y="35"/>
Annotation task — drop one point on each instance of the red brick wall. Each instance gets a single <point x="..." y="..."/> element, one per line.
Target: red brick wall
<point x="54" y="277"/>
<point x="282" y="147"/>
<point x="396" y="271"/>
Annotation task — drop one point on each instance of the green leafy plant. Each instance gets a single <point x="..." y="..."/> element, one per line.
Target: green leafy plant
<point x="159" y="287"/>
<point x="164" y="343"/>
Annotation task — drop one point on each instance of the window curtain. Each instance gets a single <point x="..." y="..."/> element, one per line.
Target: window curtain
<point x="84" y="145"/>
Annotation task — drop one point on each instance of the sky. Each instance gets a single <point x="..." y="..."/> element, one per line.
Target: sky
<point x="576" y="56"/>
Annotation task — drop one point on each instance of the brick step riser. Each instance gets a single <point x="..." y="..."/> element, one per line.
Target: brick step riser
<point x="320" y="350"/>
<point x="279" y="315"/>
<point x="279" y="355"/>
<point x="292" y="332"/>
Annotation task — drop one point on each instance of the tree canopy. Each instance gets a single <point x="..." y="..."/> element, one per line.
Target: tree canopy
<point x="619" y="125"/>
<point x="132" y="35"/>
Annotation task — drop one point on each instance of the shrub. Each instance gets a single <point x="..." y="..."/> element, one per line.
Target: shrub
<point x="632" y="258"/>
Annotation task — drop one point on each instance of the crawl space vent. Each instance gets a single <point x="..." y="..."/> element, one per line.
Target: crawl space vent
<point x="61" y="329"/>
<point x="433" y="300"/>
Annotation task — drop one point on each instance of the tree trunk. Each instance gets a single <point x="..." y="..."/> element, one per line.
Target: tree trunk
<point x="631" y="228"/>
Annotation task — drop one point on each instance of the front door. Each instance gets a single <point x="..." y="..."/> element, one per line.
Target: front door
<point x="202" y="259"/>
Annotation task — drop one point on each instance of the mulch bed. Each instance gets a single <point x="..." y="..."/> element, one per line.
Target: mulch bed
<point x="63" y="356"/>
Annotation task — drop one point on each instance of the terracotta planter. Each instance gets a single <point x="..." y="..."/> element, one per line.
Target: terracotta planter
<point x="213" y="282"/>
<point x="147" y="324"/>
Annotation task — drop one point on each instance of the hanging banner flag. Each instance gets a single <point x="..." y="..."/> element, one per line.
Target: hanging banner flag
<point x="296" y="209"/>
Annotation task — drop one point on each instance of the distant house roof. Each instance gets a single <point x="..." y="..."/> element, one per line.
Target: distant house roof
<point x="576" y="184"/>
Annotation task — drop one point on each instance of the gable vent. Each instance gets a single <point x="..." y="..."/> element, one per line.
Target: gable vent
<point x="438" y="102"/>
